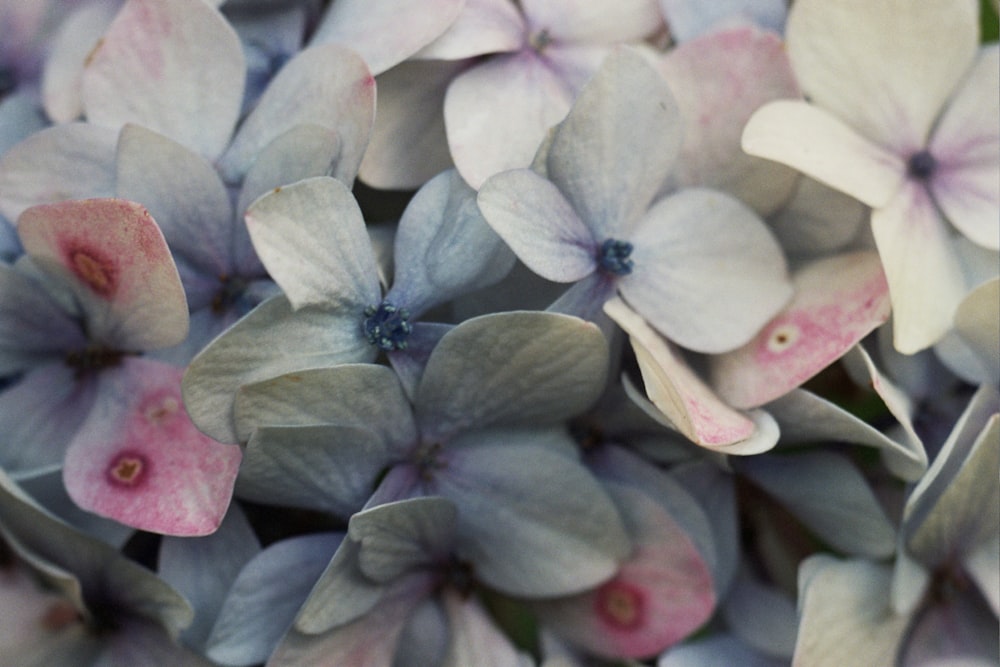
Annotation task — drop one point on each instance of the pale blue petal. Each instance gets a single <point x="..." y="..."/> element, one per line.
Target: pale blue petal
<point x="511" y="368"/>
<point x="270" y="341"/>
<point x="532" y="521"/>
<point x="534" y="218"/>
<point x="444" y="247"/>
<point x="265" y="597"/>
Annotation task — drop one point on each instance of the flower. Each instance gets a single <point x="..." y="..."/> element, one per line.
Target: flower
<point x="909" y="130"/>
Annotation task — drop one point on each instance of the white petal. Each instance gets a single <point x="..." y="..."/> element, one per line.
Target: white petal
<point x="593" y="22"/>
<point x="889" y="90"/>
<point x="482" y="27"/>
<point x="925" y="279"/>
<point x="976" y="323"/>
<point x="311" y="237"/>
<point x="845" y="614"/>
<point x="820" y="145"/>
<point x="966" y="144"/>
<point x="703" y="258"/>
<point x="408" y="142"/>
<point x="497" y="112"/>
<point x="386" y="32"/>
<point x="176" y="68"/>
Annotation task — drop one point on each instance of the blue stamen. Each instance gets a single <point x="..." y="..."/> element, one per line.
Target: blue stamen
<point x="386" y="326"/>
<point x="921" y="165"/>
<point x="614" y="257"/>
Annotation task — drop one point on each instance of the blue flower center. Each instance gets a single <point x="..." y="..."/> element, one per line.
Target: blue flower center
<point x="386" y="326"/>
<point x="614" y="257"/>
<point x="921" y="165"/>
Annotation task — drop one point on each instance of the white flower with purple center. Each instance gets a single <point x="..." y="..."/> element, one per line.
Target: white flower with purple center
<point x="909" y="130"/>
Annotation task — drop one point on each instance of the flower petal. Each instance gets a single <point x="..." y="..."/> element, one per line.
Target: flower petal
<point x="71" y="161"/>
<point x="966" y="144"/>
<point x="112" y="255"/>
<point x="265" y="597"/>
<point x="408" y="142"/>
<point x="582" y="21"/>
<point x="687" y="403"/>
<point x="385" y="32"/>
<point x="270" y="341"/>
<point x="482" y="27"/>
<point x="661" y="593"/>
<point x="444" y="247"/>
<point x="613" y="152"/>
<point x="688" y="19"/>
<point x="702" y="74"/>
<point x="837" y="302"/>
<point x="176" y="68"/>
<point x="511" y="368"/>
<point x="185" y="196"/>
<point x="845" y="614"/>
<point x="976" y="322"/>
<point x="703" y="258"/>
<point x="311" y="237"/>
<point x="820" y="145"/>
<point x="925" y="279"/>
<point x="139" y="460"/>
<point x="328" y="86"/>
<point x="534" y="218"/>
<point x="891" y="91"/>
<point x="497" y="113"/>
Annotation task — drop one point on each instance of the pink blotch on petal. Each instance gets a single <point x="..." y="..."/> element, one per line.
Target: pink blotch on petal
<point x="838" y="301"/>
<point x="141" y="461"/>
<point x="620" y="605"/>
<point x="93" y="268"/>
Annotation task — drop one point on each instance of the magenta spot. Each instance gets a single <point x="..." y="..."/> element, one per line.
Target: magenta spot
<point x="95" y="270"/>
<point x="128" y="470"/>
<point x="620" y="605"/>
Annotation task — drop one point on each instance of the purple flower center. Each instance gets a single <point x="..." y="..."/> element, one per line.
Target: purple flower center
<point x="92" y="359"/>
<point x="614" y="257"/>
<point x="386" y="326"/>
<point x="921" y="165"/>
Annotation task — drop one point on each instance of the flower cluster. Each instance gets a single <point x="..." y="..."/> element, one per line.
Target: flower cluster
<point x="499" y="332"/>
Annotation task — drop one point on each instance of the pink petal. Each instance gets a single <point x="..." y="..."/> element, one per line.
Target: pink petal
<point x="141" y="461"/>
<point x="719" y="80"/>
<point x="687" y="403"/>
<point x="112" y="255"/>
<point x="174" y="67"/>
<point x="837" y="302"/>
<point x="661" y="594"/>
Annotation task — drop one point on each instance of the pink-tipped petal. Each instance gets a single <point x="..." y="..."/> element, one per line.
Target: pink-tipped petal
<point x="113" y="256"/>
<point x="174" y="67"/>
<point x="141" y="461"/>
<point x="661" y="593"/>
<point x="685" y="400"/>
<point x="837" y="302"/>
